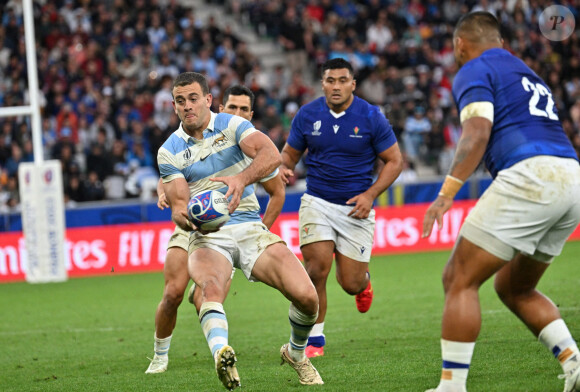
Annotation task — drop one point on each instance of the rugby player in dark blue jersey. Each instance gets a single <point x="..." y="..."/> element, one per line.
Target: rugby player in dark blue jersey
<point x="344" y="136"/>
<point x="524" y="218"/>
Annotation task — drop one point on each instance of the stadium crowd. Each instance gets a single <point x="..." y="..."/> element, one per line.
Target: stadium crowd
<point x="105" y="70"/>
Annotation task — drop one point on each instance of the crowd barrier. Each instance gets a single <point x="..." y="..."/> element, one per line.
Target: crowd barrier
<point x="135" y="211"/>
<point x="141" y="247"/>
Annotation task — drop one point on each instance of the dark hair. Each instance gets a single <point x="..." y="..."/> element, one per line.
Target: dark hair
<point x="478" y="26"/>
<point x="187" y="78"/>
<point x="238" y="89"/>
<point x="337" y="63"/>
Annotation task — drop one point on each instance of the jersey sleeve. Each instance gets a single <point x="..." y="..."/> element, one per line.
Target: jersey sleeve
<point x="296" y="138"/>
<point x="243" y="128"/>
<point x="168" y="165"/>
<point x="473" y="84"/>
<point x="384" y="136"/>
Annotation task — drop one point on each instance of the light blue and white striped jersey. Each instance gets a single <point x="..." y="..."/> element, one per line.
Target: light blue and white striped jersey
<point x="217" y="155"/>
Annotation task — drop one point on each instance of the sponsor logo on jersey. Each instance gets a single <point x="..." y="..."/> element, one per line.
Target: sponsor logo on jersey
<point x="219" y="141"/>
<point x="362" y="250"/>
<point x="356" y="135"/>
<point x="316" y="127"/>
<point x="335" y="127"/>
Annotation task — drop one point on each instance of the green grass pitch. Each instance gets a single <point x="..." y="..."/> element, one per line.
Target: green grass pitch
<point x="95" y="334"/>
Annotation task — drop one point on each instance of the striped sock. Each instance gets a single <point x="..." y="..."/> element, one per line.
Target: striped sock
<point x="214" y="325"/>
<point x="456" y="360"/>
<point x="557" y="338"/>
<point x="301" y="326"/>
<point x="161" y="346"/>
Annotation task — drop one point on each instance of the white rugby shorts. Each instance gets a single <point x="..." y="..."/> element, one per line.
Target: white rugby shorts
<point x="531" y="207"/>
<point x="240" y="243"/>
<point x="320" y="220"/>
<point x="179" y="239"/>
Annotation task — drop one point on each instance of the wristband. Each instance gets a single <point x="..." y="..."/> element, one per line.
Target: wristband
<point x="450" y="186"/>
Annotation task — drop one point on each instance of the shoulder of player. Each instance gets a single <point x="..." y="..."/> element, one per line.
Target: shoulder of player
<point x="225" y="121"/>
<point x="313" y="106"/>
<point x="174" y="142"/>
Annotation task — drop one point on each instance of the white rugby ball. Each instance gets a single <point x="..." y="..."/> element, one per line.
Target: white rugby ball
<point x="208" y="210"/>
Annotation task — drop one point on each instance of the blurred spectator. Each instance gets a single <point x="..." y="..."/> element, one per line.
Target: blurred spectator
<point x="379" y="34"/>
<point x="416" y="126"/>
<point x="93" y="188"/>
<point x="373" y="89"/>
<point x="106" y="68"/>
<point x="292" y="39"/>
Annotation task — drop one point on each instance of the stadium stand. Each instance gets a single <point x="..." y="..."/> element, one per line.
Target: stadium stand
<point x="105" y="70"/>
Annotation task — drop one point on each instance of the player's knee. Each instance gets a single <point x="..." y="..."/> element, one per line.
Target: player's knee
<point x="505" y="292"/>
<point x="317" y="271"/>
<point x="173" y="296"/>
<point x="309" y="302"/>
<point x="353" y="285"/>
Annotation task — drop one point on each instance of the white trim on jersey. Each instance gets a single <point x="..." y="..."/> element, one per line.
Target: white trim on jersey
<point x="477" y="109"/>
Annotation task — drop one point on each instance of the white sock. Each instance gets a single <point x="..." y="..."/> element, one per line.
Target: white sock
<point x="317" y="329"/>
<point x="557" y="338"/>
<point x="161" y="346"/>
<point x="456" y="361"/>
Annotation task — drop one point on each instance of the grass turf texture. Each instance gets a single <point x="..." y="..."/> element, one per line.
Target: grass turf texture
<point x="95" y="334"/>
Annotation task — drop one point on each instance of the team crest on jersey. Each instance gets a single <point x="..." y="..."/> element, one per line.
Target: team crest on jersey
<point x="335" y="127"/>
<point x="306" y="232"/>
<point x="219" y="141"/>
<point x="355" y="131"/>
<point x="187" y="155"/>
<point x="316" y="127"/>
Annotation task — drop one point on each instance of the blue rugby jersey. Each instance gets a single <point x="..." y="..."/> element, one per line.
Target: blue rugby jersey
<point x="525" y="119"/>
<point x="217" y="155"/>
<point x="342" y="147"/>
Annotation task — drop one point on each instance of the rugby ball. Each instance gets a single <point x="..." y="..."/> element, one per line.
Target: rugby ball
<point x="208" y="210"/>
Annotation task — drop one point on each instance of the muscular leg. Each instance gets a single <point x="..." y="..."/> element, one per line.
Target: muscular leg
<point x="278" y="267"/>
<point x="516" y="284"/>
<point x="176" y="280"/>
<point x="197" y="297"/>
<point x="467" y="269"/>
<point x="211" y="272"/>
<point x="351" y="274"/>
<point x="318" y="262"/>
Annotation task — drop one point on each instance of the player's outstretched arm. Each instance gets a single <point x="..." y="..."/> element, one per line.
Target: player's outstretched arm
<point x="277" y="191"/>
<point x="363" y="203"/>
<point x="470" y="150"/>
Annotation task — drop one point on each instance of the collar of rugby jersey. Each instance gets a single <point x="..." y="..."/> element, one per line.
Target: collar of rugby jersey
<point x="189" y="139"/>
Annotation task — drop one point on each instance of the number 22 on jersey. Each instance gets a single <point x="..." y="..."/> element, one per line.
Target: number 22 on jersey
<point x="539" y="90"/>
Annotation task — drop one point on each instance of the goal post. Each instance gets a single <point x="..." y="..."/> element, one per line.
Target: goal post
<point x="40" y="183"/>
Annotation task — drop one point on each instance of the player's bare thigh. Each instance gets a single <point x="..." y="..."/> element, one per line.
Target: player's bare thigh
<point x="278" y="267"/>
<point x="211" y="271"/>
<point x="175" y="268"/>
